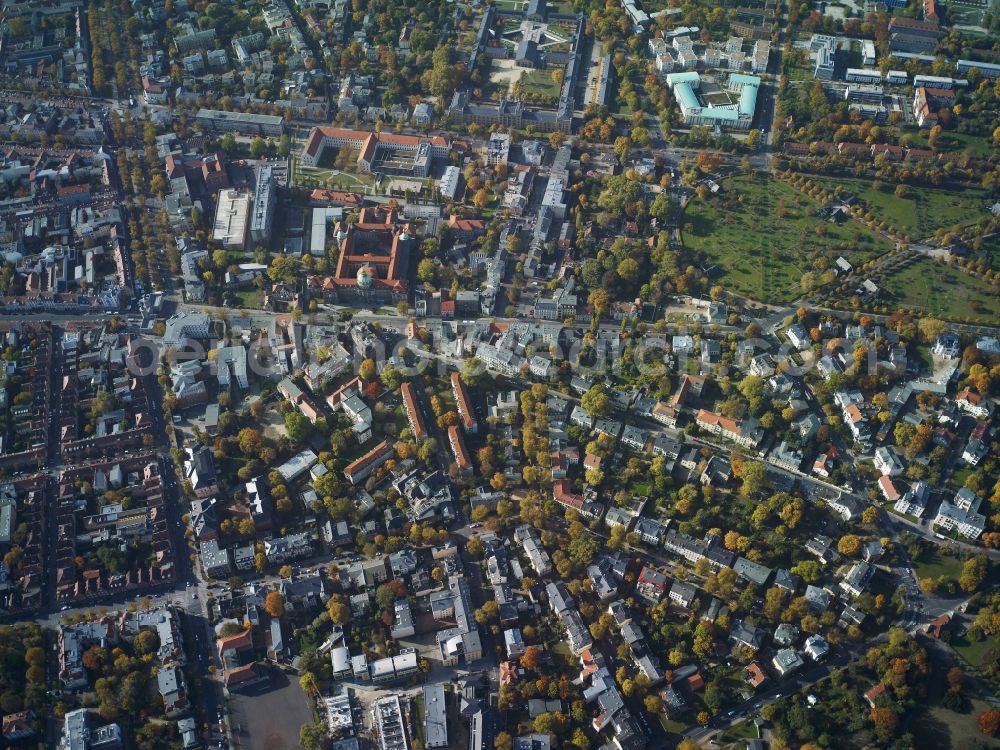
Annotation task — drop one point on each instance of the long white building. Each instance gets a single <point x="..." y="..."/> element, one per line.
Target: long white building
<point x="265" y="195"/>
<point x="232" y="214"/>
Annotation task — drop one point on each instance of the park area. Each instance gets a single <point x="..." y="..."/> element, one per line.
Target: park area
<point x="931" y="287"/>
<point x="921" y="210"/>
<point x="761" y="235"/>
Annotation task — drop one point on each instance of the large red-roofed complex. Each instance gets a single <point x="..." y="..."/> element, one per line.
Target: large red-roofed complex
<point x="384" y="153"/>
<point x="374" y="253"/>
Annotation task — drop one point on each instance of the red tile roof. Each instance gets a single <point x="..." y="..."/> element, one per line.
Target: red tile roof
<point x="235" y="642"/>
<point x="462" y="399"/>
<point x="238" y="675"/>
<point x="888" y="488"/>
<point x="873" y="694"/>
<point x="722" y="422"/>
<point x="459" y="449"/>
<point x="901" y="22"/>
<point x="471" y="226"/>
<point x="563" y="494"/>
<point x="371" y="456"/>
<point x="335" y="196"/>
<point x="367" y="139"/>
<point x="755" y="675"/>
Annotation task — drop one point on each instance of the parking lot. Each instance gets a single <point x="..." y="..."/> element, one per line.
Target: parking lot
<point x="270" y="718"/>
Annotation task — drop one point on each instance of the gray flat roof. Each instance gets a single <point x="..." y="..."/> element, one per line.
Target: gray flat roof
<point x="435" y="716"/>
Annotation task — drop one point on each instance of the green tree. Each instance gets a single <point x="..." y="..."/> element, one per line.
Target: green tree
<point x="809" y="570"/>
<point x="596" y="402"/>
<point x="297" y="426"/>
<point x="753" y="474"/>
<point x="283" y="269"/>
<point x="427" y="271"/>
<point x="146" y="642"/>
<point x="367" y="369"/>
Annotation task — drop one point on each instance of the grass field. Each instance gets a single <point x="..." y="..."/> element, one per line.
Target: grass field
<point x="922" y="211"/>
<point x="936" y="565"/>
<point x="540" y="83"/>
<point x="932" y="287"/>
<point x="972" y="651"/>
<point x="250" y="298"/>
<point x="974" y="145"/>
<point x="330" y="178"/>
<point x="670" y="725"/>
<point x="758" y="232"/>
<point x="938" y="727"/>
<point x="738" y="735"/>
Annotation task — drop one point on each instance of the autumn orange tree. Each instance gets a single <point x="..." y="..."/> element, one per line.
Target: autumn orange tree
<point x="885" y="720"/>
<point x="274" y="604"/>
<point x="989" y="721"/>
<point x="530" y="658"/>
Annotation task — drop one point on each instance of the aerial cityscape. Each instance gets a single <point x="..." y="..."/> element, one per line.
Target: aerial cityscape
<point x="500" y="374"/>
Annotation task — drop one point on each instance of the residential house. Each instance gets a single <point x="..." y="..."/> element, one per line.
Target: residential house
<point x="651" y="585"/>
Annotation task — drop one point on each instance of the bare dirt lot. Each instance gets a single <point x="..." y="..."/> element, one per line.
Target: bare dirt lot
<point x="504" y="73"/>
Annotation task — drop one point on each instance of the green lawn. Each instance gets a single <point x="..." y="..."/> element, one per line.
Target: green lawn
<point x="970" y="14"/>
<point x="973" y="145"/>
<point x="540" y="83"/>
<point x="418" y="708"/>
<point x="762" y="235"/>
<point x="922" y="211"/>
<point x="938" y="727"/>
<point x="799" y="73"/>
<point x="972" y="651"/>
<point x="935" y="565"/>
<point x="304" y="176"/>
<point x="739" y="733"/>
<point x="929" y="286"/>
<point x="670" y="726"/>
<point x="961" y="474"/>
<point x="250" y="298"/>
